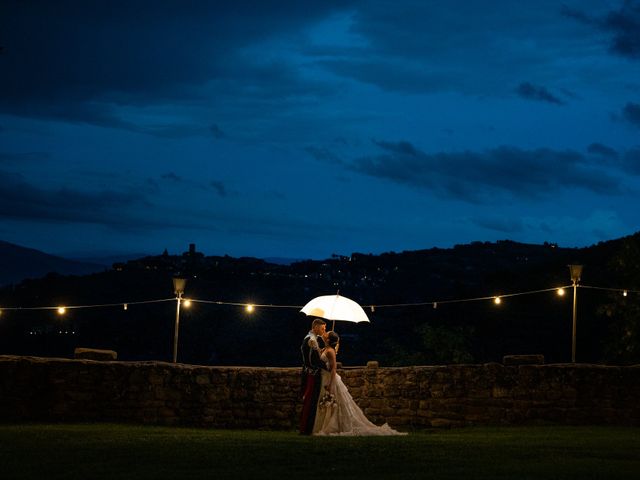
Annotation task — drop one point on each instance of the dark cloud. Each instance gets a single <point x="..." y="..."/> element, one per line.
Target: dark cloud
<point x="127" y="210"/>
<point x="500" y="224"/>
<point x="324" y="155"/>
<point x="401" y="148"/>
<point x="631" y="113"/>
<point x="602" y="150"/>
<point x="172" y="177"/>
<point x="89" y="58"/>
<point x="219" y="188"/>
<point x="623" y="25"/>
<point x="20" y="200"/>
<point x="425" y="47"/>
<point x="488" y="176"/>
<point x="535" y="92"/>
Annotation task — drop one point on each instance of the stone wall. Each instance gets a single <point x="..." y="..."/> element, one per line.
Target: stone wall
<point x="37" y="389"/>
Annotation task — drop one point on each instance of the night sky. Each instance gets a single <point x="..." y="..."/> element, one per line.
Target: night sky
<point x="301" y="129"/>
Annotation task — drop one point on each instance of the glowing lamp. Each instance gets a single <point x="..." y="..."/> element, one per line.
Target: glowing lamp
<point x="497" y="300"/>
<point x="62" y="310"/>
<point x="560" y="292"/>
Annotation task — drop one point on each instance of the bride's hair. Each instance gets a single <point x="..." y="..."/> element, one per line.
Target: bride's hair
<point x="333" y="340"/>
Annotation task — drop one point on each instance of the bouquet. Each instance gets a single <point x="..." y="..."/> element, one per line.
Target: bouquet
<point x="328" y="401"/>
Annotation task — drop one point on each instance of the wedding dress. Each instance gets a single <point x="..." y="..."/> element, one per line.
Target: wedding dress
<point x="343" y="417"/>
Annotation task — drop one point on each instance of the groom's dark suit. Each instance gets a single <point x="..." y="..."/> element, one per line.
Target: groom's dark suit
<point x="311" y="380"/>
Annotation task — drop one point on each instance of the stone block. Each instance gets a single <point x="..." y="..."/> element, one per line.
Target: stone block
<point x="94" y="354"/>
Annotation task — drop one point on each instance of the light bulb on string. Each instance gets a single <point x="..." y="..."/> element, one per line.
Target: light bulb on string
<point x="373" y="308"/>
<point x="497" y="300"/>
<point x="62" y="310"/>
<point x="186" y="303"/>
<point x="125" y="307"/>
<point x="560" y="292"/>
<point x="624" y="293"/>
<point x="249" y="308"/>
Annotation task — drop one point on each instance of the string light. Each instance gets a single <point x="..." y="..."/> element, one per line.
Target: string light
<point x="561" y="291"/>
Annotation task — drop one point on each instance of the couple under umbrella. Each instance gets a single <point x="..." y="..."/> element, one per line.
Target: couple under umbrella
<point x="328" y="408"/>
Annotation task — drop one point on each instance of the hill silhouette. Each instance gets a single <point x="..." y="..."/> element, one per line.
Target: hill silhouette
<point x="18" y="263"/>
<point x="433" y="332"/>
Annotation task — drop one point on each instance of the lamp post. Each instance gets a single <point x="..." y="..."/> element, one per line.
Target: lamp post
<point x="575" y="272"/>
<point x="178" y="288"/>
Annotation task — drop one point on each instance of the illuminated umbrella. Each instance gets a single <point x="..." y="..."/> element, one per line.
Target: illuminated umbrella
<point x="335" y="308"/>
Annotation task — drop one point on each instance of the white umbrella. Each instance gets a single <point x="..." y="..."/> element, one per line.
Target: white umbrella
<point x="335" y="308"/>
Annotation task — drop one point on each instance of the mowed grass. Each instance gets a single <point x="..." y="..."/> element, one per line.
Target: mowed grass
<point x="101" y="451"/>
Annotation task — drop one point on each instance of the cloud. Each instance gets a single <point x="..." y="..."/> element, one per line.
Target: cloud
<point x="126" y="210"/>
<point x="172" y="176"/>
<point x="323" y="154"/>
<point x="500" y="224"/>
<point x="392" y="74"/>
<point x="488" y="176"/>
<point x="623" y="25"/>
<point x="21" y="200"/>
<point x="458" y="46"/>
<point x="631" y="113"/>
<point x="88" y="60"/>
<point x="602" y="150"/>
<point x="219" y="188"/>
<point x="533" y="92"/>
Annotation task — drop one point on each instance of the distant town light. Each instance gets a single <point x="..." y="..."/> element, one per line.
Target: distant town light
<point x="497" y="300"/>
<point x="560" y="292"/>
<point x="62" y="310"/>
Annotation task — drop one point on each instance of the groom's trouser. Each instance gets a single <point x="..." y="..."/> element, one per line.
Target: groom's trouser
<point x="310" y="403"/>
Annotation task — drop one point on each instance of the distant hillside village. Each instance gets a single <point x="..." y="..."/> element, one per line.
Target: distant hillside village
<point x="428" y="306"/>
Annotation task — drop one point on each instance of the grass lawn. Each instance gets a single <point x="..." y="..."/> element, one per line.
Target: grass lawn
<point x="96" y="451"/>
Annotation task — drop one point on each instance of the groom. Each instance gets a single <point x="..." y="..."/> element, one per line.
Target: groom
<point x="311" y="371"/>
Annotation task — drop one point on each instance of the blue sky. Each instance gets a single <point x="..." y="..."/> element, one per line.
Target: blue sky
<point x="302" y="129"/>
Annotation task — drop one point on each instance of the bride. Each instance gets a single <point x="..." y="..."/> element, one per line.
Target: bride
<point x="337" y="413"/>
